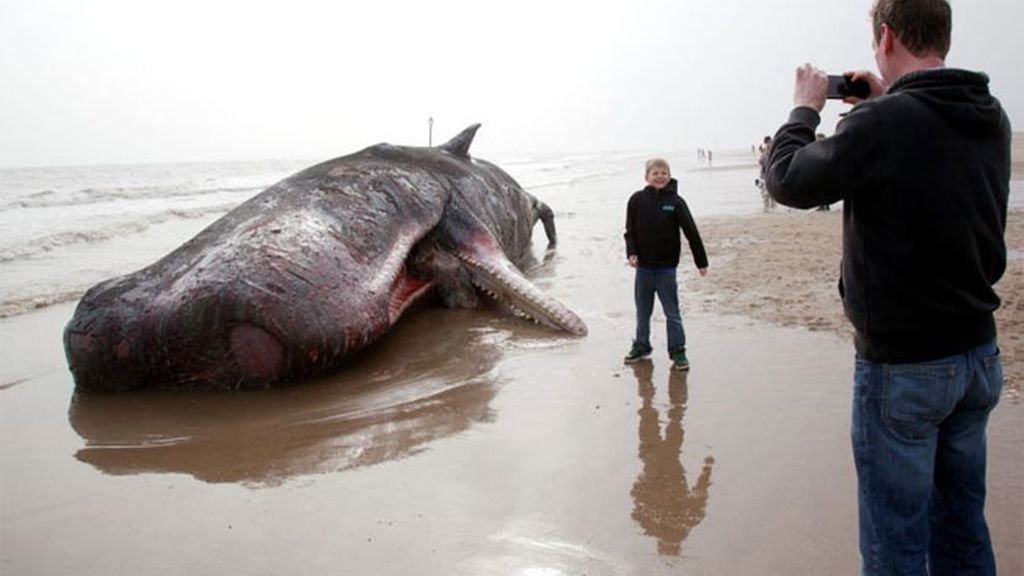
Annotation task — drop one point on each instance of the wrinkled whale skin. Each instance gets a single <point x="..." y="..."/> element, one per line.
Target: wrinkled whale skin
<point x="312" y="270"/>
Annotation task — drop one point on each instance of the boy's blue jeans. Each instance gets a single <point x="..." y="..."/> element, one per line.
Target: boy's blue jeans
<point x="660" y="281"/>
<point x="919" y="447"/>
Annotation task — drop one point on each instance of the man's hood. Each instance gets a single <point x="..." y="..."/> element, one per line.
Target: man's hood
<point x="961" y="97"/>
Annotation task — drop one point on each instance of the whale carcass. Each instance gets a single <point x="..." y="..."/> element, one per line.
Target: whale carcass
<point x="312" y="270"/>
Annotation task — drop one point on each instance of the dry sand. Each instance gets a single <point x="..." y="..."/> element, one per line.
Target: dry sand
<point x="796" y="286"/>
<point x="784" y="268"/>
<point x="469" y="442"/>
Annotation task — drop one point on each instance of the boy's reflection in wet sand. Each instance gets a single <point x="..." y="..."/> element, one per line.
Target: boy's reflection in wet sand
<point x="664" y="505"/>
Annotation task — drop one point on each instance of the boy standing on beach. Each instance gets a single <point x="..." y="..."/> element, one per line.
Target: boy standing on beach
<point x="654" y="217"/>
<point x="923" y="168"/>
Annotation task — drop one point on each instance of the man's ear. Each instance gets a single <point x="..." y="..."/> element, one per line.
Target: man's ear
<point x="887" y="40"/>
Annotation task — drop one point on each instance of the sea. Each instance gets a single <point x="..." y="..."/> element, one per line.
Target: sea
<point x="64" y="229"/>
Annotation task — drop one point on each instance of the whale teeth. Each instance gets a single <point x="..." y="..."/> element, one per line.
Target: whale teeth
<point x="517" y="290"/>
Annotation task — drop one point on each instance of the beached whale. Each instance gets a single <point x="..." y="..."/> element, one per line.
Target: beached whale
<point x="312" y="270"/>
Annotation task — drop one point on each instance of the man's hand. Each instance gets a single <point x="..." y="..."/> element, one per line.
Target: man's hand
<point x="811" y="87"/>
<point x="703" y="271"/>
<point x="877" y="86"/>
<point x="632" y="261"/>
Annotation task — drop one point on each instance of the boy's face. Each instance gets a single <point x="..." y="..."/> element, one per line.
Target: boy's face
<point x="658" y="177"/>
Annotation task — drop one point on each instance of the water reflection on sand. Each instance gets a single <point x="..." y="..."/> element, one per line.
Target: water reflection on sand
<point x="665" y="505"/>
<point x="420" y="384"/>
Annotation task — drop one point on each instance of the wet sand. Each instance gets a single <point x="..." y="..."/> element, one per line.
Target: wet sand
<point x="468" y="442"/>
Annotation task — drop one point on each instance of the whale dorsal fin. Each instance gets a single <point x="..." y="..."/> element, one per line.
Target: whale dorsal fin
<point x="459" y="146"/>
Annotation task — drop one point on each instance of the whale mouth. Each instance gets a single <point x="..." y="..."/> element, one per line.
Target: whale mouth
<point x="406" y="290"/>
<point x="492" y="273"/>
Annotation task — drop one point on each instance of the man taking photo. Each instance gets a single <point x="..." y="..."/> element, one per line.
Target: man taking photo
<point x="922" y="166"/>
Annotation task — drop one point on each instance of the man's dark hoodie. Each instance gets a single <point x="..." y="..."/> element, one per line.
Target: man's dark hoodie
<point x="653" y="220"/>
<point x="924" y="175"/>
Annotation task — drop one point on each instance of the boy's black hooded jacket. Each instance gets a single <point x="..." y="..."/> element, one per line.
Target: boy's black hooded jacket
<point x="653" y="220"/>
<point x="924" y="175"/>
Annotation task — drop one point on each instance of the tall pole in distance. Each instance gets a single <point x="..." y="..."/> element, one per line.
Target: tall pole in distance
<point x="430" y="131"/>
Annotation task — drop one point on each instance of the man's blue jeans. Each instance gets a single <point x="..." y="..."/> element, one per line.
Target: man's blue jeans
<point x="919" y="447"/>
<point x="660" y="281"/>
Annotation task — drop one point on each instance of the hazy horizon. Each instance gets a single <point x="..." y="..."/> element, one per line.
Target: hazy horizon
<point x="119" y="82"/>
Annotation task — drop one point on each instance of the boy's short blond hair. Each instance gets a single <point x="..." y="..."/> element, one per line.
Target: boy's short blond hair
<point x="656" y="163"/>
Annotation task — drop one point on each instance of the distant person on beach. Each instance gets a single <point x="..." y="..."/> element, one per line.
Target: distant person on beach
<point x="762" y="161"/>
<point x="922" y="166"/>
<point x="654" y="217"/>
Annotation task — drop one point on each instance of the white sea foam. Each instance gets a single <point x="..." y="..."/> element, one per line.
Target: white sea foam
<point x="32" y="246"/>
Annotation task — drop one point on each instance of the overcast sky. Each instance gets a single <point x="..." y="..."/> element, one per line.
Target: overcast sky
<point x="112" y="81"/>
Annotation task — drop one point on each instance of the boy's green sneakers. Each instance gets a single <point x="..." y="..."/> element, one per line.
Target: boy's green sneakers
<point x="679" y="361"/>
<point x="636" y="354"/>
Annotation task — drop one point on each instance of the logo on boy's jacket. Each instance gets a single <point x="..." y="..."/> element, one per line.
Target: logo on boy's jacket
<point x="668" y="207"/>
